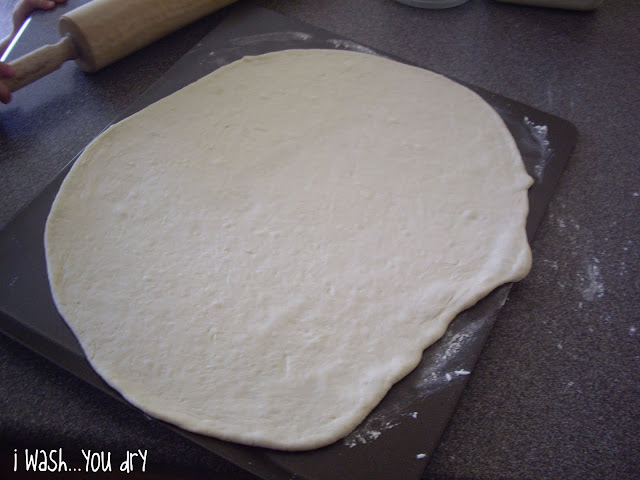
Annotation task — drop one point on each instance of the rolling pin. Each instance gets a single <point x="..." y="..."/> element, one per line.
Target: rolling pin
<point x="103" y="31"/>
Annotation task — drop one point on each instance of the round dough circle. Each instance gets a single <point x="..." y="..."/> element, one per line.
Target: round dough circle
<point x="263" y="254"/>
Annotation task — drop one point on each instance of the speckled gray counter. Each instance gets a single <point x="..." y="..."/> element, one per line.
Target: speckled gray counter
<point x="556" y="392"/>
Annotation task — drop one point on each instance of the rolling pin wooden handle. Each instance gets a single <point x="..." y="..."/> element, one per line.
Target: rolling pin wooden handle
<point x="41" y="62"/>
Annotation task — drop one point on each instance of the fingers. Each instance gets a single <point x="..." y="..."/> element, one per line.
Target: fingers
<point x="43" y="4"/>
<point x="30" y="5"/>
<point x="46" y="4"/>
<point x="6" y="71"/>
<point x="24" y="8"/>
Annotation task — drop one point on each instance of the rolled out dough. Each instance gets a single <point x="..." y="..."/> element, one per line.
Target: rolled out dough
<point x="260" y="256"/>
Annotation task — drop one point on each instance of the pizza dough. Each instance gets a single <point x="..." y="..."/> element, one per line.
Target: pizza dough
<point x="260" y="256"/>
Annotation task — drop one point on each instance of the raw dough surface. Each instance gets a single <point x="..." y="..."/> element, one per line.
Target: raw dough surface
<point x="260" y="256"/>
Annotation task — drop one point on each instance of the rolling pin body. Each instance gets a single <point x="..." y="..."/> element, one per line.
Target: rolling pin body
<point x="108" y="30"/>
<point x="103" y="31"/>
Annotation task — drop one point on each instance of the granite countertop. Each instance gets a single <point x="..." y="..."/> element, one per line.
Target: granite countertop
<point x="556" y="392"/>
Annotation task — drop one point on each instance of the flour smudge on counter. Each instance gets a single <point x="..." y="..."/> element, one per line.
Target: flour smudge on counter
<point x="591" y="281"/>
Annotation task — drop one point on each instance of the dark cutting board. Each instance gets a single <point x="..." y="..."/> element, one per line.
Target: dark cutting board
<point x="398" y="437"/>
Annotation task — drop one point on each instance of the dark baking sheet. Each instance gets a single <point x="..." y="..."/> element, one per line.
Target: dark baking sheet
<point x="397" y="438"/>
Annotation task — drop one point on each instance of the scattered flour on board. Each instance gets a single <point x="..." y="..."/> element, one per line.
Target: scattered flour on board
<point x="229" y="53"/>
<point x="540" y="135"/>
<point x="302" y="37"/>
<point x="349" y="45"/>
<point x="421" y="455"/>
<point x="440" y="370"/>
<point x="270" y="37"/>
<point x="456" y="373"/>
<point x="442" y="367"/>
<point x="218" y="57"/>
<point x="369" y="431"/>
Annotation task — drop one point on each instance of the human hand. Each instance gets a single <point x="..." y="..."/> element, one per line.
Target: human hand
<point x="25" y="7"/>
<point x="6" y="71"/>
